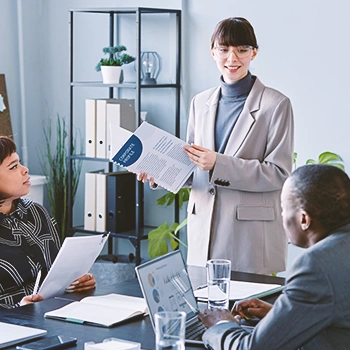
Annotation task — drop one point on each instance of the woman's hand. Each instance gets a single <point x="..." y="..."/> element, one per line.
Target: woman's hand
<point x="251" y="308"/>
<point x="212" y="316"/>
<point x="144" y="178"/>
<point x="84" y="282"/>
<point x="203" y="158"/>
<point x="30" y="299"/>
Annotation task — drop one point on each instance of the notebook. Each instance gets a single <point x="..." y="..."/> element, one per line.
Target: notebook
<point x="11" y="334"/>
<point x="166" y="286"/>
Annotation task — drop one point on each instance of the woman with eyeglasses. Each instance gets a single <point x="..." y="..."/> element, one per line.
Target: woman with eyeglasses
<point x="241" y="140"/>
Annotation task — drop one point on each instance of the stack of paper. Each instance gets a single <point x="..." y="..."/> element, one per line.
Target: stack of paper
<point x="243" y="290"/>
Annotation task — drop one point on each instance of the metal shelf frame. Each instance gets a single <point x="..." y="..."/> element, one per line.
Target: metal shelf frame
<point x="139" y="233"/>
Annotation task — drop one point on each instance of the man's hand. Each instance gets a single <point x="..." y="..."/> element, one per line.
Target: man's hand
<point x="212" y="316"/>
<point x="251" y="308"/>
<point x="203" y="158"/>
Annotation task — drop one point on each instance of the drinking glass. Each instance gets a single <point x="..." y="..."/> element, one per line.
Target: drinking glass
<point x="218" y="280"/>
<point x="170" y="330"/>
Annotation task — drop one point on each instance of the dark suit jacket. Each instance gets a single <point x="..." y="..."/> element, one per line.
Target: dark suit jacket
<point x="312" y="313"/>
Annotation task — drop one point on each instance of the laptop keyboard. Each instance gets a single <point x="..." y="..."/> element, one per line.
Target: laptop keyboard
<point x="194" y="329"/>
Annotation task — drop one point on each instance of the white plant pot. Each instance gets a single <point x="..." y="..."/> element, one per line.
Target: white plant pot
<point x="111" y="74"/>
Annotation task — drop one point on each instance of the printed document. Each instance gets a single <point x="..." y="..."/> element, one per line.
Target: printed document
<point x="74" y="259"/>
<point x="159" y="154"/>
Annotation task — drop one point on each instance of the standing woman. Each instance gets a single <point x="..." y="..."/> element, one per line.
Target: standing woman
<point x="29" y="238"/>
<point x="241" y="137"/>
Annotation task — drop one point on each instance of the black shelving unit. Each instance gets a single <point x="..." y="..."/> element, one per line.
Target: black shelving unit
<point x="112" y="14"/>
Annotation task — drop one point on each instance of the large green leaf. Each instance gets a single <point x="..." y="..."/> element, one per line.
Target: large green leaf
<point x="157" y="240"/>
<point x="329" y="158"/>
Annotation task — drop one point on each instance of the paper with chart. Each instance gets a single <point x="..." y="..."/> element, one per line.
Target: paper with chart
<point x="159" y="154"/>
<point x="74" y="259"/>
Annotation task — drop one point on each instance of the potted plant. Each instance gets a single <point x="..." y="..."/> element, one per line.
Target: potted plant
<point x="159" y="237"/>
<point x="329" y="158"/>
<point x="111" y="67"/>
<point x="54" y="164"/>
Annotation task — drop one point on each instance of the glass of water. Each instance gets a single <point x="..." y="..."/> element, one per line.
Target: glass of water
<point x="170" y="330"/>
<point x="218" y="279"/>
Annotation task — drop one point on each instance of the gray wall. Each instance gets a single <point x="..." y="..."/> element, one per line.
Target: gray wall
<point x="303" y="53"/>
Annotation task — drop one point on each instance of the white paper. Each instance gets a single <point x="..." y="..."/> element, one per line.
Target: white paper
<point x="2" y="103"/>
<point x="74" y="259"/>
<point x="240" y="290"/>
<point x="159" y="154"/>
<point x="104" y="310"/>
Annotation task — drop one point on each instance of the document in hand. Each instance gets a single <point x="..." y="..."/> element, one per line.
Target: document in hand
<point x="159" y="154"/>
<point x="242" y="290"/>
<point x="74" y="259"/>
<point x="107" y="310"/>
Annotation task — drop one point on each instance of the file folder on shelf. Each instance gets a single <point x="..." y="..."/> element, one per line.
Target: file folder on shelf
<point x="121" y="202"/>
<point x="90" y="128"/>
<point x="90" y="200"/>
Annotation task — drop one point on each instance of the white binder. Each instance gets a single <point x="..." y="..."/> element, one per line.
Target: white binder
<point x="90" y="201"/>
<point x="101" y="129"/>
<point x="90" y="128"/>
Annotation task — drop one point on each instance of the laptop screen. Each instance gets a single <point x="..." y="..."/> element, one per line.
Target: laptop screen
<point x="11" y="334"/>
<point x="166" y="285"/>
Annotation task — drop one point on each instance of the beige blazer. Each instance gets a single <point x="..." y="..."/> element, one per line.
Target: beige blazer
<point x="234" y="210"/>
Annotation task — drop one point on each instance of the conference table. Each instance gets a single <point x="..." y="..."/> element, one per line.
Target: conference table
<point x="137" y="330"/>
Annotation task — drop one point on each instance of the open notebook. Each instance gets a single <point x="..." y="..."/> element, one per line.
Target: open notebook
<point x="11" y="334"/>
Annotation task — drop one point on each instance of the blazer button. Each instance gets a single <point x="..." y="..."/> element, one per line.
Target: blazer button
<point x="212" y="191"/>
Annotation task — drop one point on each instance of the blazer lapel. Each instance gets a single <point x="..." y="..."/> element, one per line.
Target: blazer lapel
<point x="209" y="115"/>
<point x="245" y="120"/>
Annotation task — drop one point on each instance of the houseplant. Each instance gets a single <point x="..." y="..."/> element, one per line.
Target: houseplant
<point x="54" y="164"/>
<point x="111" y="66"/>
<point x="159" y="237"/>
<point x="329" y="158"/>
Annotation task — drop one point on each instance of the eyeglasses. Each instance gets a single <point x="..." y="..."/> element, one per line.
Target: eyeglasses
<point x="240" y="51"/>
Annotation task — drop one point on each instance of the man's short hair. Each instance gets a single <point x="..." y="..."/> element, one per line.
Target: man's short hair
<point x="323" y="191"/>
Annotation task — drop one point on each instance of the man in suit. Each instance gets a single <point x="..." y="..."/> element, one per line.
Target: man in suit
<point x="241" y="141"/>
<point x="313" y="311"/>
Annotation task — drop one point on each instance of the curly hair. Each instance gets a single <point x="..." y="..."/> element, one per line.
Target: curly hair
<point x="7" y="147"/>
<point x="323" y="191"/>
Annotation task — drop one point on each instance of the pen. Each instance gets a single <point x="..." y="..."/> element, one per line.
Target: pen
<point x="202" y="287"/>
<point x="37" y="281"/>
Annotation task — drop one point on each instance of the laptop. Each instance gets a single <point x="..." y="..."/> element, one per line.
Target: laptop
<point x="166" y="286"/>
<point x="11" y="334"/>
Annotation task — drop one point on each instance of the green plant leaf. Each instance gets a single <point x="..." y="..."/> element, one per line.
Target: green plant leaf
<point x="311" y="161"/>
<point x="157" y="244"/>
<point x="328" y="157"/>
<point x="54" y="164"/>
<point x="157" y="239"/>
<point x="167" y="199"/>
<point x="295" y="156"/>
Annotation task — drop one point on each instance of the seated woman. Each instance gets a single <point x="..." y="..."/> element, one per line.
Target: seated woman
<point x="29" y="237"/>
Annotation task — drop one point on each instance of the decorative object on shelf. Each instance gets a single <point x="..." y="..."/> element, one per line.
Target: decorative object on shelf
<point x="157" y="238"/>
<point x="151" y="64"/>
<point x="54" y="164"/>
<point x="111" y="67"/>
